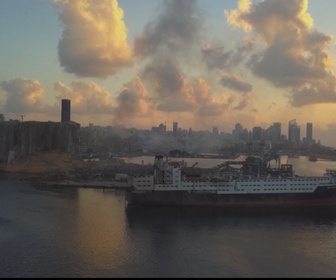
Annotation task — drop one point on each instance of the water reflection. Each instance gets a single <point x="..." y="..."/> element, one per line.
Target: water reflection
<point x="99" y="228"/>
<point x="236" y="245"/>
<point x="70" y="232"/>
<point x="211" y="216"/>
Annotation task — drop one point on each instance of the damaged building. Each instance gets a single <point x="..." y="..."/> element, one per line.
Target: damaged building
<point x="20" y="139"/>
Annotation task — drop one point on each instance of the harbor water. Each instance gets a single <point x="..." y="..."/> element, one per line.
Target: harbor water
<point x="48" y="231"/>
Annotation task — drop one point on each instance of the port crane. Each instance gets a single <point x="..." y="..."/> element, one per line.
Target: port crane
<point x="22" y="116"/>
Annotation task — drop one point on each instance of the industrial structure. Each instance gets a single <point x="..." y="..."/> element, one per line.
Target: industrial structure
<point x="66" y="110"/>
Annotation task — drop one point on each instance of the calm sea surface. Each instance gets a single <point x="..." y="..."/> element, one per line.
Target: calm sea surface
<point x="82" y="232"/>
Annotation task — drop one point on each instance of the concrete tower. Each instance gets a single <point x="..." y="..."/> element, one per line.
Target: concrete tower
<point x="66" y="106"/>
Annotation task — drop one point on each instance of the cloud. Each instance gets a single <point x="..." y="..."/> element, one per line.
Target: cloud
<point x="168" y="45"/>
<point x="311" y="94"/>
<point x="235" y="83"/>
<point x="90" y="101"/>
<point x="86" y="98"/>
<point x="271" y="19"/>
<point x="244" y="102"/>
<point x="94" y="39"/>
<point x="132" y="101"/>
<point x="176" y="28"/>
<point x="172" y="93"/>
<point x="295" y="55"/>
<point x="22" y="95"/>
<point x="207" y="104"/>
<point x="175" y="94"/>
<point x="219" y="58"/>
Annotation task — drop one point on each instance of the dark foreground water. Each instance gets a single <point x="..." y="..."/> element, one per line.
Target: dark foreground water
<point x="78" y="232"/>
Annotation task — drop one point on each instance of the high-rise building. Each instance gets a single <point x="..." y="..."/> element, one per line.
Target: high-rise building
<point x="162" y="128"/>
<point x="257" y="133"/>
<point x="2" y="117"/>
<point x="240" y="133"/>
<point x="66" y="106"/>
<point x="277" y="131"/>
<point x="309" y="132"/>
<point x="308" y="141"/>
<point x="273" y="133"/>
<point x="294" y="133"/>
<point x="175" y="126"/>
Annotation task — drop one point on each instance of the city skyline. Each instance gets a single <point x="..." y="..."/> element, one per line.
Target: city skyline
<point x="304" y="138"/>
<point x="199" y="63"/>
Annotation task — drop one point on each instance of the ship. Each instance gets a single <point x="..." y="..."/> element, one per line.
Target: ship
<point x="252" y="186"/>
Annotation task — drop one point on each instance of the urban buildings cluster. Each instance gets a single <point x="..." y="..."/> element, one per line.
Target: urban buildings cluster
<point x="119" y="140"/>
<point x="134" y="141"/>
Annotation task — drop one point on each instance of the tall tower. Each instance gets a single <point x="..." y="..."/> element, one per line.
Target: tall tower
<point x="257" y="133"/>
<point x="277" y="130"/>
<point x="294" y="133"/>
<point x="309" y="132"/>
<point x="175" y="124"/>
<point x="65" y="116"/>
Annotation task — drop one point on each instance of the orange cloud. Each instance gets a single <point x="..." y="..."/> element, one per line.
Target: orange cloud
<point x="132" y="101"/>
<point x="94" y="39"/>
<point x="272" y="19"/>
<point x="22" y="95"/>
<point x="86" y="98"/>
<point x="295" y="55"/>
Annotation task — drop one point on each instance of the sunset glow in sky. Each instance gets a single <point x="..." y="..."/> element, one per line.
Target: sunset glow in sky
<point x="199" y="63"/>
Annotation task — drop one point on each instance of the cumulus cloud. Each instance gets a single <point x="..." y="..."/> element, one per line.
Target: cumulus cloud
<point x="94" y="39"/>
<point x="22" y="95"/>
<point x="132" y="101"/>
<point x="173" y="92"/>
<point x="295" y="55"/>
<point x="207" y="104"/>
<point x="176" y="94"/>
<point x="311" y="94"/>
<point x="92" y="102"/>
<point x="86" y="98"/>
<point x="271" y="19"/>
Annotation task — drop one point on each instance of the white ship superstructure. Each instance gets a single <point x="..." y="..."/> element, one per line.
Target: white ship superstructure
<point x="168" y="177"/>
<point x="170" y="185"/>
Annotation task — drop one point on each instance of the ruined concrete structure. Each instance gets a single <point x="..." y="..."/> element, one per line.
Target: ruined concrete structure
<point x="66" y="110"/>
<point x="19" y="139"/>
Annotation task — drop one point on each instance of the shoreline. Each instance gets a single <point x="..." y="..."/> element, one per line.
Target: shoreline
<point x="38" y="179"/>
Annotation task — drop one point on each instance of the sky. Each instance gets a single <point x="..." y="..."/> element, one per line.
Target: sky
<point x="201" y="63"/>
